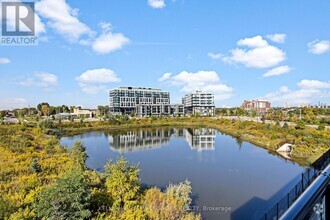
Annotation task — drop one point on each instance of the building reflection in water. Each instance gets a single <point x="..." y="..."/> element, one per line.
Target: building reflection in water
<point x="198" y="139"/>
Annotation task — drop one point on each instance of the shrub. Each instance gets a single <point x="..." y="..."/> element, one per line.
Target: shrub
<point x="285" y="125"/>
<point x="122" y="183"/>
<point x="67" y="198"/>
<point x="300" y="125"/>
<point x="35" y="166"/>
<point x="79" y="155"/>
<point x="46" y="124"/>
<point x="172" y="204"/>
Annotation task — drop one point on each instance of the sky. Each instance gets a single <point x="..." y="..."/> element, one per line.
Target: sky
<point x="277" y="50"/>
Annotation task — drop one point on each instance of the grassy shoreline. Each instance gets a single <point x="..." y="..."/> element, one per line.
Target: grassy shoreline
<point x="27" y="148"/>
<point x="309" y="144"/>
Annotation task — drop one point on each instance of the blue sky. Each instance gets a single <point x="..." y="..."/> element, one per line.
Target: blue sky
<point x="276" y="50"/>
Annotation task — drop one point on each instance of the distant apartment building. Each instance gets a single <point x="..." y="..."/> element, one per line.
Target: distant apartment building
<point x="199" y="103"/>
<point x="141" y="101"/>
<point x="259" y="105"/>
<point x="320" y="105"/>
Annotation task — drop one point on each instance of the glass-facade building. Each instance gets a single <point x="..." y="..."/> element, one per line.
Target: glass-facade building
<point x="139" y="100"/>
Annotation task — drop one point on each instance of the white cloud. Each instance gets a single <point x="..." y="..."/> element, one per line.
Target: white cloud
<point x="319" y="47"/>
<point x="314" y="84"/>
<point x="63" y="19"/>
<point x="4" y="60"/>
<point x="261" y="55"/>
<point x="12" y="103"/>
<point x="41" y="79"/>
<point x="94" y="80"/>
<point x="207" y="81"/>
<point x="165" y="77"/>
<point x="309" y="91"/>
<point x="253" y="42"/>
<point x="277" y="71"/>
<point x="98" y="76"/>
<point x="91" y="88"/>
<point x="156" y="3"/>
<point x="108" y="42"/>
<point x="277" y="38"/>
<point x="215" y="56"/>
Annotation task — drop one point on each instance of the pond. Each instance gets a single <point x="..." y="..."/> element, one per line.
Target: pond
<point x="230" y="179"/>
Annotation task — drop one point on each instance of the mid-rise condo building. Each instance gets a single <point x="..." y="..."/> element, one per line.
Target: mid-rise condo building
<point x="142" y="102"/>
<point x="199" y="103"/>
<point x="145" y="102"/>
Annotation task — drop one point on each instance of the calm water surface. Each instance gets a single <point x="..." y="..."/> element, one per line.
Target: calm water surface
<point x="230" y="179"/>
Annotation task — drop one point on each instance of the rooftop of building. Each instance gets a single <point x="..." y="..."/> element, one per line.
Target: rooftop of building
<point x="200" y="92"/>
<point x="256" y="100"/>
<point x="136" y="88"/>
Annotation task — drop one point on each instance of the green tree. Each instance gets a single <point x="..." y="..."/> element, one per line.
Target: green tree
<point x="300" y="125"/>
<point x="2" y="114"/>
<point x="321" y="128"/>
<point x="5" y="208"/>
<point x="122" y="183"/>
<point x="72" y="109"/>
<point x="65" y="109"/>
<point x="254" y="113"/>
<point x="79" y="155"/>
<point x="46" y="124"/>
<point x="45" y="109"/>
<point x="309" y="113"/>
<point x="68" y="198"/>
<point x="35" y="166"/>
<point x="39" y="106"/>
<point x="104" y="110"/>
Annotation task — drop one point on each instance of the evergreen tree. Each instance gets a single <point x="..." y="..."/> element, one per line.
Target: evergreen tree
<point x="79" y="155"/>
<point x="68" y="198"/>
<point x="300" y="125"/>
<point x="35" y="166"/>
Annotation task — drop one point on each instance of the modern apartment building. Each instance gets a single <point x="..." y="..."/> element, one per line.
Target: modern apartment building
<point x="199" y="103"/>
<point x="259" y="105"/>
<point x="139" y="100"/>
<point x="177" y="110"/>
